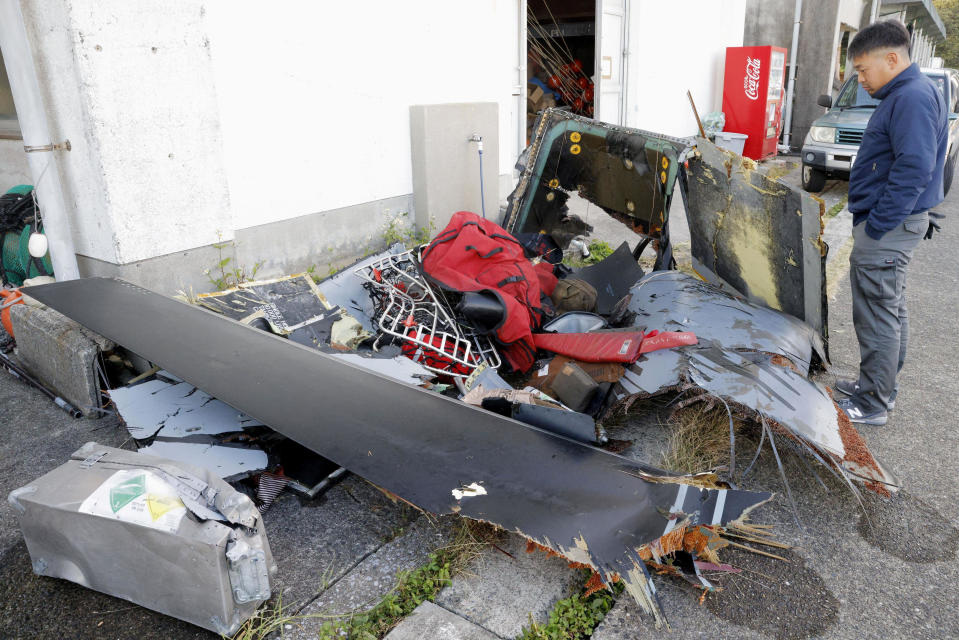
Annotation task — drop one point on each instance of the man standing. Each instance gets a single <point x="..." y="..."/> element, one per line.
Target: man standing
<point x="896" y="178"/>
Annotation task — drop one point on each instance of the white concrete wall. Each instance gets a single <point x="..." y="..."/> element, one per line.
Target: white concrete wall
<point x="130" y="86"/>
<point x="314" y="98"/>
<point x="13" y="165"/>
<point x="674" y="47"/>
<point x="202" y="118"/>
<point x="850" y="12"/>
<point x="52" y="38"/>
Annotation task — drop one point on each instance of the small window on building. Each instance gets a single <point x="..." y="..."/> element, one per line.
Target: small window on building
<point x="9" y="126"/>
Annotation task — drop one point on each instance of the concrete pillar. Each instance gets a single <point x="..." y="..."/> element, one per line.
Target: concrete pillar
<point x="446" y="165"/>
<point x="31" y="114"/>
<point x="131" y="86"/>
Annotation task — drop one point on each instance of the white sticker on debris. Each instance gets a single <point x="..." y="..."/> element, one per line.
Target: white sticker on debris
<point x="469" y="491"/>
<point x="139" y="497"/>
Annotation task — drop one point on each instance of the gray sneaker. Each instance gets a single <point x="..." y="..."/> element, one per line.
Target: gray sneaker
<point x="860" y="415"/>
<point x="851" y="388"/>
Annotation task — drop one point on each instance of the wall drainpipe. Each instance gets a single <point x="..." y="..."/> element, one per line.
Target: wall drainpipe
<point x="791" y="85"/>
<point x="37" y="141"/>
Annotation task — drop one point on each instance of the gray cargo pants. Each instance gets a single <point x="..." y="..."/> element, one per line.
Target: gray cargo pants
<point x="877" y="274"/>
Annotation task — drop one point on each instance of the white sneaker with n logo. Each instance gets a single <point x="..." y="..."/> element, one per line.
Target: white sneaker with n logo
<point x="856" y="414"/>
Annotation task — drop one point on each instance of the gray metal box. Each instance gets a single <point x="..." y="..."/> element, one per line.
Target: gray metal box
<point x="168" y="536"/>
<point x="574" y="387"/>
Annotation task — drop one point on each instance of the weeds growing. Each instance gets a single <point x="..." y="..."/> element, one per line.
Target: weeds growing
<point x="836" y="208"/>
<point x="227" y="274"/>
<point x="401" y="230"/>
<point x="599" y="250"/>
<point x="574" y="618"/>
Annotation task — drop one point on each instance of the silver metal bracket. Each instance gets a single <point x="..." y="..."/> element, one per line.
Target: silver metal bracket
<point x="62" y="146"/>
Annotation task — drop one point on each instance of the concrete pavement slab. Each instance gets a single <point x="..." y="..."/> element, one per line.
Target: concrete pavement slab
<point x="35" y="437"/>
<point x="501" y="592"/>
<point x="316" y="542"/>
<point x="431" y="621"/>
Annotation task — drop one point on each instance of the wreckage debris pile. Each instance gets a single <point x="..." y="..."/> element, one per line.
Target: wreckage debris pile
<point x="480" y="319"/>
<point x="477" y="306"/>
<point x="452" y="315"/>
<point x="489" y="317"/>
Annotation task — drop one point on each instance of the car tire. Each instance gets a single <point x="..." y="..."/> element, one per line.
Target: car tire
<point x="947" y="172"/>
<point x="813" y="180"/>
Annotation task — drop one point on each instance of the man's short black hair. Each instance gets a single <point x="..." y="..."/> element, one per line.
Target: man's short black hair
<point x="887" y="34"/>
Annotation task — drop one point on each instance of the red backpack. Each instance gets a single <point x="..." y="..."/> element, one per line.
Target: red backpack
<point x="474" y="254"/>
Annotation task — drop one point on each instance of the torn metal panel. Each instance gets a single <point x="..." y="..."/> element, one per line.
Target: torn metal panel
<point x="585" y="503"/>
<point x="612" y="278"/>
<point x="286" y="303"/>
<point x="676" y="301"/>
<point x="230" y="462"/>
<point x="164" y="535"/>
<point x="759" y="383"/>
<point x="175" y="410"/>
<point x="755" y="235"/>
<point x="628" y="173"/>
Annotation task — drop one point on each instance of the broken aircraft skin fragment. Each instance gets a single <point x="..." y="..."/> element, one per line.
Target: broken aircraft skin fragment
<point x="757" y="236"/>
<point x="227" y="461"/>
<point x="677" y="301"/>
<point x="584" y="503"/>
<point x="286" y="303"/>
<point x="763" y="390"/>
<point x="175" y="409"/>
<point x="629" y="173"/>
<point x="344" y="289"/>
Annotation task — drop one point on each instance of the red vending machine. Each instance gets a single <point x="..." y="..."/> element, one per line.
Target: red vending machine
<point x="753" y="97"/>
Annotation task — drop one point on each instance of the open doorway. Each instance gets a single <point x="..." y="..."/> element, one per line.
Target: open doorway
<point x="575" y="62"/>
<point x="561" y="57"/>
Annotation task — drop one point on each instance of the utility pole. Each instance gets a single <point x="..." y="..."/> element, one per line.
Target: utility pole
<point x="791" y="83"/>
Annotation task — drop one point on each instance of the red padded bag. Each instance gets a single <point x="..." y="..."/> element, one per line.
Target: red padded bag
<point x="475" y="254"/>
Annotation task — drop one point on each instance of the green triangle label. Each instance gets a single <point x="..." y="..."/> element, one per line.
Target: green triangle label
<point x="127" y="491"/>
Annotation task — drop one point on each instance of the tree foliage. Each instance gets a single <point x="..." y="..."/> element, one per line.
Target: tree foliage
<point x="948" y="50"/>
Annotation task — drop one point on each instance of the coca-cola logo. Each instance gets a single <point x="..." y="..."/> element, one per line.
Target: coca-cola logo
<point x="751" y="79"/>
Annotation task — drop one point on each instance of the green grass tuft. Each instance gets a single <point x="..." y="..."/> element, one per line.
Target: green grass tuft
<point x="573" y="618"/>
<point x="836" y="208"/>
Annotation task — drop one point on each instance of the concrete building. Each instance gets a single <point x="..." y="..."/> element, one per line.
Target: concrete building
<point x="825" y="30"/>
<point x="290" y="137"/>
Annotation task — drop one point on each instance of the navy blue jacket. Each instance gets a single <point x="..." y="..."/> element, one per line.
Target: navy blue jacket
<point x="898" y="169"/>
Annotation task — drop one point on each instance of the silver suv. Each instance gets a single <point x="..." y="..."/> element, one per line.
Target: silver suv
<point x="832" y="143"/>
